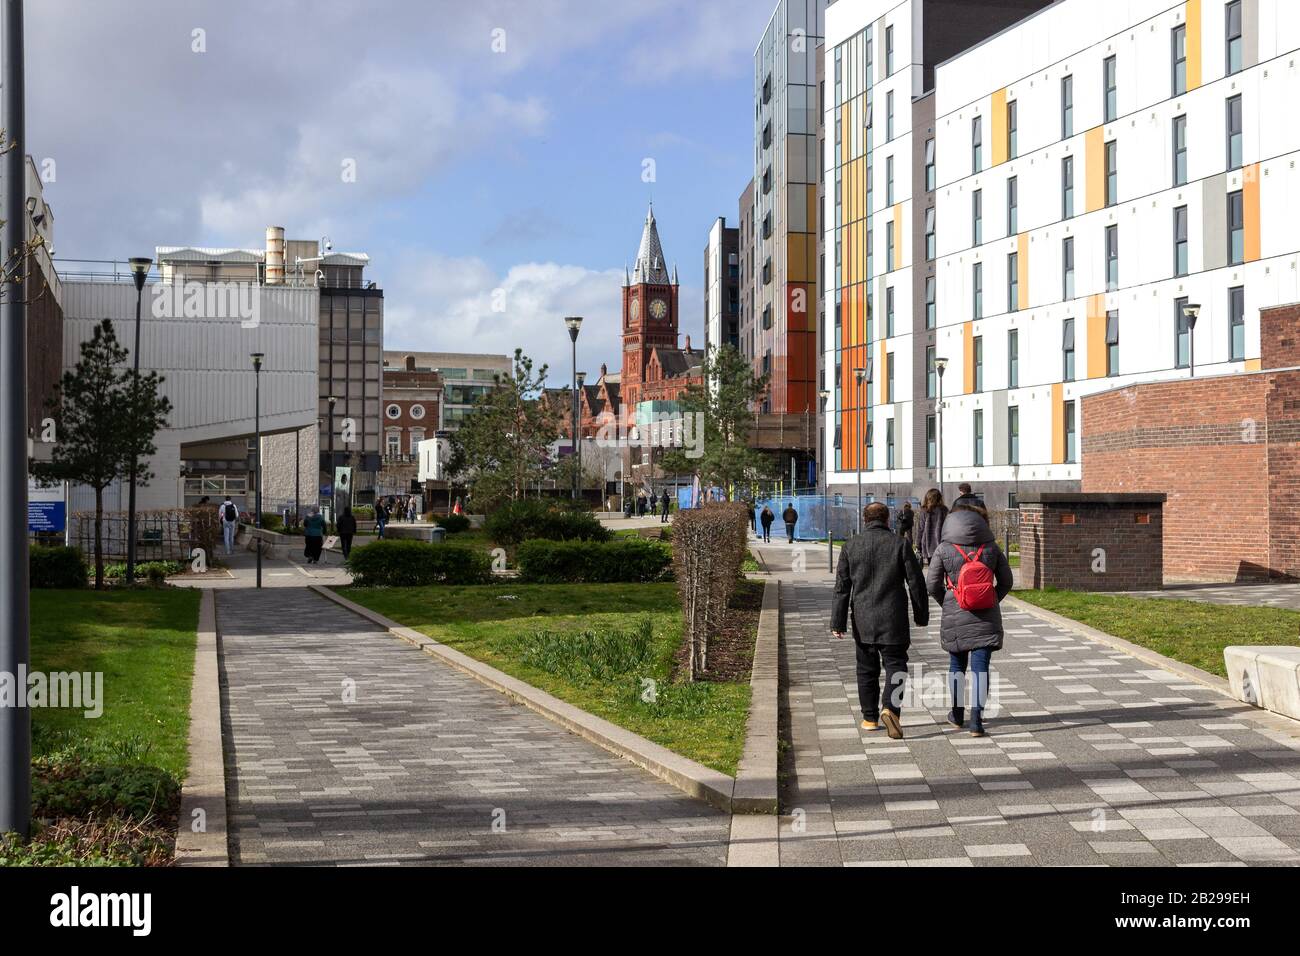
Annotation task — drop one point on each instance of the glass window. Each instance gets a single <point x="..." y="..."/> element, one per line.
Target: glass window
<point x="1067" y="350"/>
<point x="889" y="443"/>
<point x="889" y="180"/>
<point x="1237" y="324"/>
<point x="1067" y="107"/>
<point x="977" y="431"/>
<point x="1112" y="258"/>
<point x="1013" y="435"/>
<point x="977" y="351"/>
<point x="1067" y="268"/>
<point x="1236" y="229"/>
<point x="1011" y="130"/>
<point x="1180" y="150"/>
<point x="929" y="166"/>
<point x="929" y="233"/>
<point x="1067" y="187"/>
<point x="889" y="376"/>
<point x="889" y="246"/>
<point x="977" y="217"/>
<point x="1180" y="241"/>
<point x="1232" y="55"/>
<point x="1182" y="335"/>
<point x="1179" y="57"/>
<point x="1013" y="206"/>
<point x="1110" y="86"/>
<point x="976" y="144"/>
<point x="889" y="116"/>
<point x="1071" y="443"/>
<point x="931" y="376"/>
<point x="931" y="445"/>
<point x="889" y="312"/>
<point x="1234" y="132"/>
<point x="889" y="50"/>
<point x="1112" y="342"/>
<point x="1112" y="173"/>
<point x="977" y="290"/>
<point x="1013" y="282"/>
<point x="1013" y="358"/>
<point x="931" y="313"/>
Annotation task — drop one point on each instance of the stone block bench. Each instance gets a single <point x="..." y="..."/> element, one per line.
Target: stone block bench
<point x="1267" y="677"/>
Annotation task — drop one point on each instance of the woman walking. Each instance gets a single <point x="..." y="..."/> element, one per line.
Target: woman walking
<point x="313" y="530"/>
<point x="969" y="576"/>
<point x="766" y="519"/>
<point x="906" y="520"/>
<point x="929" y="525"/>
<point x="347" y="527"/>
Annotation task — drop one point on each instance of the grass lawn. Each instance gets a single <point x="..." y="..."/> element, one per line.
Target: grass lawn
<point x="143" y="643"/>
<point x="535" y="632"/>
<point x="1194" y="632"/>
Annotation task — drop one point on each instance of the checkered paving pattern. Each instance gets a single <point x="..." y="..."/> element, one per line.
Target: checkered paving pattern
<point x="1283" y="595"/>
<point x="1092" y="758"/>
<point x="424" y="765"/>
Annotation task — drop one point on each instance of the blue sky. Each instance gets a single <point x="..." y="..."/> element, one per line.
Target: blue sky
<point x="498" y="146"/>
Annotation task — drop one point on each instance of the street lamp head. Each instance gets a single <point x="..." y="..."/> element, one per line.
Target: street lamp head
<point x="332" y="399"/>
<point x="574" y="323"/>
<point x="1193" y="312"/>
<point x="824" y="395"/>
<point x="140" y="270"/>
<point x="939" y="365"/>
<point x="581" y="377"/>
<point x="860" y="374"/>
<point x="257" y="360"/>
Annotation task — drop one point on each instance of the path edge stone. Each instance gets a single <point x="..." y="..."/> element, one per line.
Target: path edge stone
<point x="205" y="782"/>
<point x="756" y="775"/>
<point x="693" y="779"/>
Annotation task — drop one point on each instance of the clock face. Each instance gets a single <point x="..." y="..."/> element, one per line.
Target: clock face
<point x="658" y="308"/>
<point x="634" y="310"/>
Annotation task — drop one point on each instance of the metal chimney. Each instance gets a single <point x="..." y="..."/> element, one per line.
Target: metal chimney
<point x="275" y="255"/>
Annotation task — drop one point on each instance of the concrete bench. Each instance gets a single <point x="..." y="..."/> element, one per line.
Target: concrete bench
<point x="1267" y="677"/>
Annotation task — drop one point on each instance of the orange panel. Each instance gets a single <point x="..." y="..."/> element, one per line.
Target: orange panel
<point x="968" y="357"/>
<point x="998" y="126"/>
<point x="1095" y="168"/>
<point x="1096" y="336"/>
<point x="1250" y="210"/>
<point x="1058" y="423"/>
<point x="1193" y="44"/>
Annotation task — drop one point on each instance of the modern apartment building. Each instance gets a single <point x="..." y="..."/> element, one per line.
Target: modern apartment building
<point x="745" y="240"/>
<point x="722" y="286"/>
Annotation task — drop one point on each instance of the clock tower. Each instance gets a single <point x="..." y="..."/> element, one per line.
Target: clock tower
<point x="649" y="314"/>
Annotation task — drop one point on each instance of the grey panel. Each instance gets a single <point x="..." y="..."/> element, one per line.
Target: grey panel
<point x="1249" y="33"/>
<point x="1214" y="231"/>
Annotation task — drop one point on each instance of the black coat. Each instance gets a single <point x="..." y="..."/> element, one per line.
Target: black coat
<point x="347" y="524"/>
<point x="878" y="574"/>
<point x="767" y="518"/>
<point x="790" y="516"/>
<point x="964" y="630"/>
<point x="929" y="530"/>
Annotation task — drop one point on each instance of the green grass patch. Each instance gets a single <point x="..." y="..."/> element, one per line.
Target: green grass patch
<point x="606" y="648"/>
<point x="1194" y="632"/>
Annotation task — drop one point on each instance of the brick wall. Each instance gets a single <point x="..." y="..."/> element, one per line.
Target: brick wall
<point x="1279" y="336"/>
<point x="1083" y="542"/>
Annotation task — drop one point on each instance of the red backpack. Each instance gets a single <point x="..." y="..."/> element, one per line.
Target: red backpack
<point x="976" y="588"/>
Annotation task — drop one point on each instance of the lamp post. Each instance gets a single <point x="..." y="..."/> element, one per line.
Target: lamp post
<point x="1191" y="312"/>
<point x="823" y="396"/>
<point x="574" y="323"/>
<point x="334" y="491"/>
<point x="257" y="452"/>
<point x="863" y="377"/>
<point x="139" y="272"/>
<point x="581" y="377"/>
<point x="940" y="365"/>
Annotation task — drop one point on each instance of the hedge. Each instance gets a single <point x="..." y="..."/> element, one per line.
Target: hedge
<point x="453" y="523"/>
<point x="709" y="549"/>
<point x="401" y="563"/>
<point x="56" y="567"/>
<point x="625" y="560"/>
<point x="533" y="518"/>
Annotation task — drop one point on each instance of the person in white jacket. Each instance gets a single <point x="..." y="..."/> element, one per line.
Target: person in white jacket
<point x="229" y="515"/>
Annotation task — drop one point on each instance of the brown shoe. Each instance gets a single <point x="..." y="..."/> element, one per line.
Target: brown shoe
<point x="871" y="725"/>
<point x="892" y="726"/>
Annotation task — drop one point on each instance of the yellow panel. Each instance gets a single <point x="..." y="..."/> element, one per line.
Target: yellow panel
<point x="1022" y="270"/>
<point x="1058" y="423"/>
<point x="1254" y="365"/>
<point x="1250" y="210"/>
<point x="796" y="257"/>
<point x="1096" y="336"/>
<point x="1095" y="168"/>
<point x="998" y="124"/>
<point x="900" y="258"/>
<point x="1193" y="44"/>
<point x="968" y="357"/>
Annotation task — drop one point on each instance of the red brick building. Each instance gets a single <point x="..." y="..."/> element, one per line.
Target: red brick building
<point x="1225" y="449"/>
<point x="412" y="405"/>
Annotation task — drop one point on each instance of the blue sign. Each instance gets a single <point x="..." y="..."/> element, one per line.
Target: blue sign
<point x="46" y="516"/>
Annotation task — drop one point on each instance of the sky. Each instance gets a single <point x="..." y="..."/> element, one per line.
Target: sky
<point x="482" y="152"/>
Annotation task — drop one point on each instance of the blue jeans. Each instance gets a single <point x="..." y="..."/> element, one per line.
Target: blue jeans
<point x="977" y="661"/>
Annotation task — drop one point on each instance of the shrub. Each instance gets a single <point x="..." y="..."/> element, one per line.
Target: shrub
<point x="593" y="562"/>
<point x="57" y="567"/>
<point x="271" y="521"/>
<point x="452" y="524"/>
<point x="134" y="791"/>
<point x="155" y="572"/>
<point x="588" y="655"/>
<point x="533" y="518"/>
<point x="709" y="548"/>
<point x="204" y="530"/>
<point x="363" y="512"/>
<point x="402" y="563"/>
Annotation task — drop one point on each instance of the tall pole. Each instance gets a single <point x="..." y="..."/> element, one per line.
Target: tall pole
<point x="334" y="491"/>
<point x="138" y="274"/>
<point x="257" y="456"/>
<point x="573" y="323"/>
<point x="938" y="451"/>
<point x="15" y="722"/>
<point x="297" y="475"/>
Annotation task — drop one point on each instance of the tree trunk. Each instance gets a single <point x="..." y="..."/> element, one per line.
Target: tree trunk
<point x="99" y="539"/>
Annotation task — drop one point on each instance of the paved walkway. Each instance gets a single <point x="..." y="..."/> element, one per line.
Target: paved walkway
<point x="1093" y="757"/>
<point x="425" y="766"/>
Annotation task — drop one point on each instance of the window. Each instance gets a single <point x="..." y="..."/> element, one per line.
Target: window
<point x="977" y="353"/>
<point x="1232" y="54"/>
<point x="1236" y="324"/>
<point x="931" y="445"/>
<point x="977" y="217"/>
<point x="1013" y="435"/>
<point x="889" y="180"/>
<point x="767" y="180"/>
<point x="976" y="144"/>
<point x="1179" y="57"/>
<point x="1180" y="241"/>
<point x="1112" y="342"/>
<point x="1182" y="335"/>
<point x="977" y="290"/>
<point x="889" y="116"/>
<point x="1067" y="187"/>
<point x="1112" y="258"/>
<point x="929" y="165"/>
<point x="1067" y="107"/>
<point x="1112" y="173"/>
<point x="394" y="443"/>
<point x="1011" y="130"/>
<point x="1109" y="83"/>
<point x="889" y="312"/>
<point x="889" y="443"/>
<point x="1013" y="282"/>
<point x="1071" y="443"/>
<point x="1067" y="268"/>
<point x="1013" y="358"/>
<point x="1013" y="206"/>
<point x="1067" y="350"/>
<point x="1236" y="229"/>
<point x="889" y="246"/>
<point x="1234" y="133"/>
<point x="931" y="312"/>
<point x="767" y="316"/>
<point x="931" y="375"/>
<point x="1180" y="150"/>
<point x="977" y="431"/>
<point x="889" y="51"/>
<point x="929" y="233"/>
<point x="889" y="376"/>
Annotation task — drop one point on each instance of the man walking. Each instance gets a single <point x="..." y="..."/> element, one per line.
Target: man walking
<point x="877" y="576"/>
<point x="663" y="518"/>
<point x="966" y="497"/>
<point x="229" y="523"/>
<point x="791" y="518"/>
<point x="381" y="518"/>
